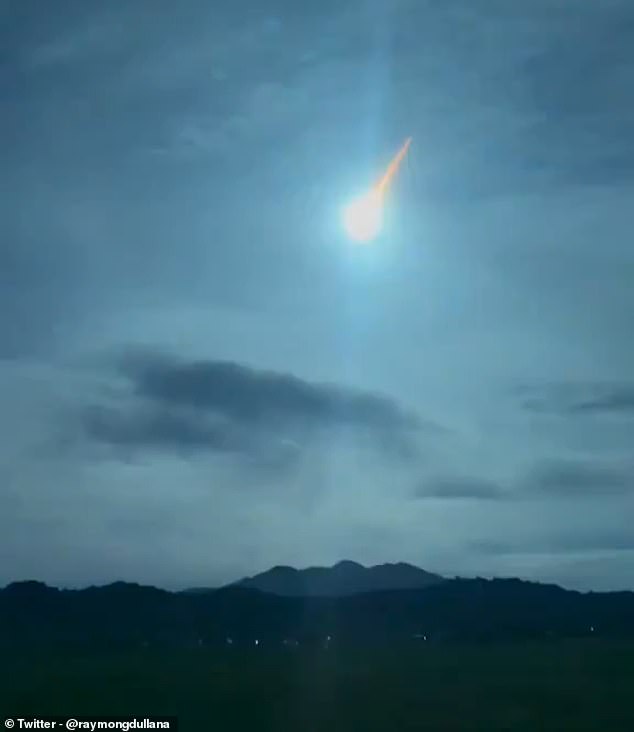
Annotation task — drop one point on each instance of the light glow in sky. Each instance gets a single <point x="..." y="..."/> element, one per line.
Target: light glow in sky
<point x="363" y="217"/>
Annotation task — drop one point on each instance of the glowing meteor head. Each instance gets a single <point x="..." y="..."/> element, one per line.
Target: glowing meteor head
<point x="363" y="217"/>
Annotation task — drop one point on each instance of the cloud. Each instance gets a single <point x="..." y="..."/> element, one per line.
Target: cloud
<point x="548" y="479"/>
<point x="149" y="426"/>
<point x="579" y="542"/>
<point x="569" y="399"/>
<point x="460" y="488"/>
<point x="221" y="406"/>
<point x="141" y="426"/>
<point x="248" y="395"/>
<point x="578" y="478"/>
<point x="610" y="400"/>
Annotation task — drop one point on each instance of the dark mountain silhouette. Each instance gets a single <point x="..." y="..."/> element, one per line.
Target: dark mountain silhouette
<point x="344" y="578"/>
<point x="33" y="615"/>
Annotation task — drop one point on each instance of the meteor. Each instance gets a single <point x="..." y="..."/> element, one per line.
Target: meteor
<point x="363" y="217"/>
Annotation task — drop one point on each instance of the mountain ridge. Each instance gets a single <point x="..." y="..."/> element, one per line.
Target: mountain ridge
<point x="344" y="578"/>
<point x="129" y="615"/>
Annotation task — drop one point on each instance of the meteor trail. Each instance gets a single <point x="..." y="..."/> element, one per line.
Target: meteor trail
<point x="392" y="169"/>
<point x="363" y="218"/>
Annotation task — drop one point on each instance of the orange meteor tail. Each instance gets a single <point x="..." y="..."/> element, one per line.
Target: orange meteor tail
<point x="392" y="169"/>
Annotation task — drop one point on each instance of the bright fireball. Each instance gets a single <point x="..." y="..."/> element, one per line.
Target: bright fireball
<point x="363" y="217"/>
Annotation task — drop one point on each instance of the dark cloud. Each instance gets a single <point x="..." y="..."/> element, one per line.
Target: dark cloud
<point x="549" y="479"/>
<point x="228" y="407"/>
<point x="459" y="488"/>
<point x="580" y="399"/>
<point x="617" y="400"/>
<point x="247" y="395"/>
<point x="578" y="478"/>
<point x="148" y="426"/>
<point x="579" y="542"/>
<point x="134" y="426"/>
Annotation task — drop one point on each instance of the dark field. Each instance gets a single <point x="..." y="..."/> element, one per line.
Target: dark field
<point x="580" y="685"/>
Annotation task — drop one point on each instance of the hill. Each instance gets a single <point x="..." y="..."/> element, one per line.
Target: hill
<point x="344" y="578"/>
<point x="128" y="615"/>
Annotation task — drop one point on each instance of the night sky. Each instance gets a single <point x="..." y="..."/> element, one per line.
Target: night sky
<point x="201" y="376"/>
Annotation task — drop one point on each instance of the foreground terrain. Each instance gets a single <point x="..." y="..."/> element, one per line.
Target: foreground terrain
<point x="583" y="684"/>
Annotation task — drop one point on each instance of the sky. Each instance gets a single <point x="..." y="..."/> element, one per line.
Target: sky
<point x="202" y="377"/>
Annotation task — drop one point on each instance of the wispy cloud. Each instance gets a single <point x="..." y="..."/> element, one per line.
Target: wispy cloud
<point x="578" y="479"/>
<point x="566" y="542"/>
<point x="574" y="399"/>
<point x="553" y="479"/>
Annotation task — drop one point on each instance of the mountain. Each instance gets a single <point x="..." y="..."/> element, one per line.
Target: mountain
<point x="122" y="615"/>
<point x="343" y="579"/>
